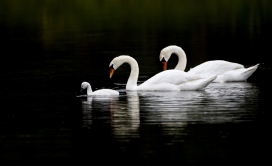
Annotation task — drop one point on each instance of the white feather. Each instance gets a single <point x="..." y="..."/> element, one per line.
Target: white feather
<point x="100" y="92"/>
<point x="225" y="71"/>
<point x="166" y="80"/>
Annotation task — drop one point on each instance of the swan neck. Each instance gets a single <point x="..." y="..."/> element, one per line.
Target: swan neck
<point x="134" y="73"/>
<point x="182" y="59"/>
<point x="89" y="90"/>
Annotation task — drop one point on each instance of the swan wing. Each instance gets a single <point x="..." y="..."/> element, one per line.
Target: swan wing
<point x="175" y="77"/>
<point x="105" y="92"/>
<point x="215" y="67"/>
<point x="197" y="84"/>
<point x="236" y="75"/>
<point x="111" y="92"/>
<point x="175" y="80"/>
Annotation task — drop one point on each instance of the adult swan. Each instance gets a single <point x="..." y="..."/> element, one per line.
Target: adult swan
<point x="163" y="81"/>
<point x="225" y="71"/>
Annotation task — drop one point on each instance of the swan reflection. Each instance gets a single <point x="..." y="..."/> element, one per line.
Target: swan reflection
<point x="169" y="109"/>
<point x="172" y="110"/>
<point x="218" y="103"/>
<point x="126" y="120"/>
<point x="97" y="108"/>
<point x="122" y="113"/>
<point x="229" y="102"/>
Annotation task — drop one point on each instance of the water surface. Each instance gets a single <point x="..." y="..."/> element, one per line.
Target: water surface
<point x="217" y="125"/>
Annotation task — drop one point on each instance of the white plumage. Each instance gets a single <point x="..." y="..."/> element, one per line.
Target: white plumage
<point x="225" y="71"/>
<point x="100" y="92"/>
<point x="166" y="80"/>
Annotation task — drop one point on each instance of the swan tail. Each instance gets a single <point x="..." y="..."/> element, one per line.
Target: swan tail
<point x="253" y="67"/>
<point x="197" y="84"/>
<point x="249" y="71"/>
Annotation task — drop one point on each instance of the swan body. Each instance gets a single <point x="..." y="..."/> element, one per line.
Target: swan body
<point x="100" y="92"/>
<point x="163" y="81"/>
<point x="225" y="71"/>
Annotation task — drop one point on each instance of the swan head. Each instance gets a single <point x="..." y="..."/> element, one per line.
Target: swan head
<point x="164" y="64"/>
<point x="113" y="66"/>
<point x="168" y="51"/>
<point x="84" y="85"/>
<point x="111" y="70"/>
<point x="166" y="54"/>
<point x="118" y="61"/>
<point x="164" y="57"/>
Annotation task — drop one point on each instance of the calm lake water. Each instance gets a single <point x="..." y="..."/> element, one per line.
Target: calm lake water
<point x="49" y="48"/>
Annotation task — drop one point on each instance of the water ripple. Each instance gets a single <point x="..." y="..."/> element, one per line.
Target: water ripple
<point x="218" y="103"/>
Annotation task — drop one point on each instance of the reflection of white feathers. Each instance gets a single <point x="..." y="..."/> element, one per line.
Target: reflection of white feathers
<point x="172" y="110"/>
<point x="123" y="111"/>
<point x="96" y="103"/>
<point x="225" y="71"/>
<point x="166" y="80"/>
<point x="126" y="121"/>
<point x="218" y="103"/>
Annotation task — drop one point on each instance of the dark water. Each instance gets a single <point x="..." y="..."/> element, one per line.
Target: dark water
<point x="48" y="48"/>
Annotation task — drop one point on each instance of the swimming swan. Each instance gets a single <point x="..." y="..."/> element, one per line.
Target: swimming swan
<point x="225" y="71"/>
<point x="101" y="92"/>
<point x="165" y="80"/>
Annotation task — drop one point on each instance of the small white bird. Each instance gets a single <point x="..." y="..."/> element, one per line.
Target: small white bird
<point x="101" y="92"/>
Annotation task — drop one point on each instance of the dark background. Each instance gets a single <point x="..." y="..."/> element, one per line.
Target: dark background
<point x="65" y="41"/>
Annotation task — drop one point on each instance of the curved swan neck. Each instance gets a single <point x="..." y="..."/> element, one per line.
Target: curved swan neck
<point x="134" y="72"/>
<point x="89" y="90"/>
<point x="182" y="59"/>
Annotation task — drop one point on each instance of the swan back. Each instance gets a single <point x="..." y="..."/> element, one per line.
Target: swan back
<point x="175" y="80"/>
<point x="215" y="67"/>
<point x="236" y="75"/>
<point x="105" y="92"/>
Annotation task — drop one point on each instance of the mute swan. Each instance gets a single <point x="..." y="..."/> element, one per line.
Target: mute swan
<point x="165" y="80"/>
<point x="225" y="71"/>
<point x="102" y="92"/>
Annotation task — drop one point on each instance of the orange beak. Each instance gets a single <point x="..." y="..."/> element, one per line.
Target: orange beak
<point x="164" y="65"/>
<point x="111" y="72"/>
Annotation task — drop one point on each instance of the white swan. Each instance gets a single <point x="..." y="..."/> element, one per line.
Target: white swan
<point x="166" y="80"/>
<point x="225" y="71"/>
<point x="100" y="92"/>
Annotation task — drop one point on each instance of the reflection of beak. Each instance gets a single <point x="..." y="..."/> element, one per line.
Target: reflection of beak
<point x="164" y="65"/>
<point x="111" y="72"/>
